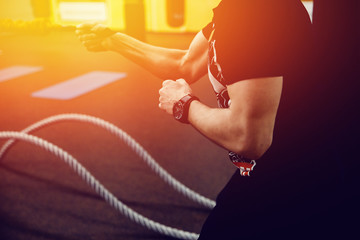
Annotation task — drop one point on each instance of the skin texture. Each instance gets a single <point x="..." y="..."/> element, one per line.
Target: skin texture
<point x="246" y="127"/>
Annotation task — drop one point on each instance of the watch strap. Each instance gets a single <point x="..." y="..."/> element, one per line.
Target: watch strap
<point x="185" y="102"/>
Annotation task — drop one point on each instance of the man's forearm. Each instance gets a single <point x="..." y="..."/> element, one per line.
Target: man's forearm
<point x="246" y="127"/>
<point x="214" y="123"/>
<point x="162" y="62"/>
<point x="165" y="63"/>
<point x="229" y="130"/>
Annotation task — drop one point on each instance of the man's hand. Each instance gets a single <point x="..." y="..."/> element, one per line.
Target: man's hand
<point x="171" y="92"/>
<point x="94" y="36"/>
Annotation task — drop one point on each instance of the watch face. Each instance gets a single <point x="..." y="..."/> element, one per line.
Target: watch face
<point x="178" y="110"/>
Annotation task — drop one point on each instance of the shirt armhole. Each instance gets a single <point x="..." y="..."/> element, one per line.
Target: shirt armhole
<point x="206" y="31"/>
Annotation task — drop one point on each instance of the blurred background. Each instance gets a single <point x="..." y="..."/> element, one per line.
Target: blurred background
<point x="124" y="15"/>
<point x="134" y="16"/>
<point x="40" y="197"/>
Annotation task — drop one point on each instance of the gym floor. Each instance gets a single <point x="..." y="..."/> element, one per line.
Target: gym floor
<point x="42" y="198"/>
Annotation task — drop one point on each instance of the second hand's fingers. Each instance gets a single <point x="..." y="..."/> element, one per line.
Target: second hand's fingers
<point x="85" y="26"/>
<point x="95" y="49"/>
<point x="92" y="42"/>
<point x="86" y="37"/>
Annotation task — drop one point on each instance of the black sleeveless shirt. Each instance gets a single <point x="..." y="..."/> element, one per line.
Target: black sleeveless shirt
<point x="260" y="38"/>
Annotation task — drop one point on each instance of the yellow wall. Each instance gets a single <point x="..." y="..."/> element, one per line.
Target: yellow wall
<point x="117" y="13"/>
<point x="16" y="9"/>
<point x="197" y="14"/>
<point x="114" y="14"/>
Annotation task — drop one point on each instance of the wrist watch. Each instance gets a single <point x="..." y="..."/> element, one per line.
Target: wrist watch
<point x="181" y="108"/>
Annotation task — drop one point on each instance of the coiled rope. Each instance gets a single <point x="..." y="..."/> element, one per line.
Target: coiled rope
<point x="128" y="140"/>
<point x="96" y="185"/>
<point x="99" y="188"/>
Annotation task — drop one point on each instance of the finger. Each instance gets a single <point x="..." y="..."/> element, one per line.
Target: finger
<point x="166" y="107"/>
<point x="79" y="32"/>
<point x="163" y="99"/>
<point x="89" y="43"/>
<point x="85" y="27"/>
<point x="165" y="94"/>
<point x="167" y="82"/>
<point x="95" y="48"/>
<point x="92" y="45"/>
<point x="86" y="37"/>
<point x="181" y="80"/>
<point x="169" y="108"/>
<point x="162" y="106"/>
<point x="98" y="27"/>
<point x="161" y="91"/>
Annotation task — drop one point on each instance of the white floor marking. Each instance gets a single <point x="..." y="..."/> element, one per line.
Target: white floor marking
<point x="79" y="85"/>
<point x="17" y="71"/>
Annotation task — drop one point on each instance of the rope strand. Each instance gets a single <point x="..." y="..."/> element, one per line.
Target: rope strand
<point x="99" y="188"/>
<point x="95" y="184"/>
<point x="127" y="139"/>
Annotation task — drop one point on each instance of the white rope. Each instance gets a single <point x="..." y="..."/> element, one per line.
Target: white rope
<point x="136" y="147"/>
<point x="99" y="188"/>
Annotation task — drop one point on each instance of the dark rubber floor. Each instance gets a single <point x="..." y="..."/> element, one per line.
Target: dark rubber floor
<point x="42" y="198"/>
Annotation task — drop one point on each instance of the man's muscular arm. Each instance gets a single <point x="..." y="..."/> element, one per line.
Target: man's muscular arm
<point x="246" y="127"/>
<point x="165" y="63"/>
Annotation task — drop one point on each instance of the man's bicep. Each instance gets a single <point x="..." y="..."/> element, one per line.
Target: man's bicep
<point x="194" y="63"/>
<point x="253" y="109"/>
<point x="256" y="99"/>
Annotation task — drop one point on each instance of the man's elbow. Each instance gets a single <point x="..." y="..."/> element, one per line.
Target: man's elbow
<point x="187" y="71"/>
<point x="252" y="147"/>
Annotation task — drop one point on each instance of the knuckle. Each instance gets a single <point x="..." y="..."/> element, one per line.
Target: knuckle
<point x="84" y="27"/>
<point x="97" y="27"/>
<point x="181" y="80"/>
<point x="80" y="26"/>
<point x="166" y="82"/>
<point x="87" y="36"/>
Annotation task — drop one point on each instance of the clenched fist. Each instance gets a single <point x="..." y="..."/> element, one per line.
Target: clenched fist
<point x="95" y="37"/>
<point x="171" y="92"/>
